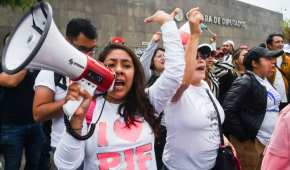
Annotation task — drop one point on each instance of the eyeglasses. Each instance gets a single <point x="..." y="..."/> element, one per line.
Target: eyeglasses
<point x="85" y="49"/>
<point x="90" y="51"/>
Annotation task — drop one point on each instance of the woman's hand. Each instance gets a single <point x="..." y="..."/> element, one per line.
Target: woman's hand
<point x="213" y="38"/>
<point x="75" y="92"/>
<point x="156" y="37"/>
<point x="159" y="17"/>
<point x="175" y="12"/>
<point x="228" y="143"/>
<point x="195" y="18"/>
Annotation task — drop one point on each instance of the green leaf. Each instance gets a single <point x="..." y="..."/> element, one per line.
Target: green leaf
<point x="24" y="4"/>
<point x="286" y="30"/>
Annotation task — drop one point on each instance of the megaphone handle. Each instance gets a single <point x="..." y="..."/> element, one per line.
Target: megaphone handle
<point x="71" y="106"/>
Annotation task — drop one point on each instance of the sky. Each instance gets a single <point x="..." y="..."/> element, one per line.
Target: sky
<point x="282" y="6"/>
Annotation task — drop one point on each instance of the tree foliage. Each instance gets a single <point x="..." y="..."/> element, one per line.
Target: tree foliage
<point x="286" y="30"/>
<point x="17" y="3"/>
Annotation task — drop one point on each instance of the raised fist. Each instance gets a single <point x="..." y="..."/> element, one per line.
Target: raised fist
<point x="159" y="17"/>
<point x="195" y="18"/>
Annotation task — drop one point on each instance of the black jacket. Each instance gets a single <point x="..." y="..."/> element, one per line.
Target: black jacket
<point x="245" y="107"/>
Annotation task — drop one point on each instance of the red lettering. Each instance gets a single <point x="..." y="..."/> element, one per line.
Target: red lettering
<point x="129" y="159"/>
<point x="102" y="137"/>
<point x="109" y="160"/>
<point x="143" y="154"/>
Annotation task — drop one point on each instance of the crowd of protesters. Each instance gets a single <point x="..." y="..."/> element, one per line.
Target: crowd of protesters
<point x="165" y="109"/>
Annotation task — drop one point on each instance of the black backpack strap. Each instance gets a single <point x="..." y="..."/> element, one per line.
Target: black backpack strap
<point x="60" y="81"/>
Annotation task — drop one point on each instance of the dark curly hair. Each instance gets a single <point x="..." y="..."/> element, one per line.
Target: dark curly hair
<point x="136" y="102"/>
<point x="81" y="25"/>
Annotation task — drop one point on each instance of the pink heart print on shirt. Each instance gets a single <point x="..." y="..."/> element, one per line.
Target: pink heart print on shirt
<point x="129" y="134"/>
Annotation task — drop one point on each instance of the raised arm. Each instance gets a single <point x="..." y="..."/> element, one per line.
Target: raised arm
<point x="195" y="18"/>
<point x="148" y="54"/>
<point x="165" y="87"/>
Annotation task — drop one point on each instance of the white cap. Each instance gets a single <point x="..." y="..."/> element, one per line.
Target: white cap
<point x="230" y="42"/>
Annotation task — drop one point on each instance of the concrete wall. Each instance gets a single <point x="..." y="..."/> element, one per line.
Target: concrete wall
<point x="125" y="18"/>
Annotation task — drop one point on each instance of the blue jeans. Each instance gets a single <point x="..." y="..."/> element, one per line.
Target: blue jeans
<point x="15" y="138"/>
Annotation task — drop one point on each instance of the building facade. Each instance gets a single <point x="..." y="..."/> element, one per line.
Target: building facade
<point x="229" y="19"/>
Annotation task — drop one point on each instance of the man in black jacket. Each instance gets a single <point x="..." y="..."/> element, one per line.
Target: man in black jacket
<point x="252" y="106"/>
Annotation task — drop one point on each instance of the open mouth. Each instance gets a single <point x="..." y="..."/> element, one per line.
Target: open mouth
<point x="200" y="68"/>
<point x="119" y="84"/>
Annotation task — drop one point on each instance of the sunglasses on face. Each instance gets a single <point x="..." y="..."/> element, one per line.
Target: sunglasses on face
<point x="202" y="55"/>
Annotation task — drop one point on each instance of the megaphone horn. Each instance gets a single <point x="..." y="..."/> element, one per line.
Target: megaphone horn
<point x="36" y="43"/>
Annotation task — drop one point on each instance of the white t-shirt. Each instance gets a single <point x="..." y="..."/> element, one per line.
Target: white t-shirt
<point x="272" y="112"/>
<point x="113" y="146"/>
<point x="279" y="82"/>
<point x="46" y="78"/>
<point x="192" y="131"/>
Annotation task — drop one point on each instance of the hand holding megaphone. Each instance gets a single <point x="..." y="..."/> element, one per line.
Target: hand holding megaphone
<point x="95" y="78"/>
<point x="70" y="107"/>
<point x="77" y="93"/>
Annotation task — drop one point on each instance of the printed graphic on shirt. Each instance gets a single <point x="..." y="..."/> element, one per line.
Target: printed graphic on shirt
<point x="137" y="157"/>
<point x="273" y="100"/>
<point x="213" y="120"/>
<point x="129" y="134"/>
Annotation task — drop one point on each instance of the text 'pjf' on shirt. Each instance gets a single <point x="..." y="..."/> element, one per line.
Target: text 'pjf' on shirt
<point x="118" y="146"/>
